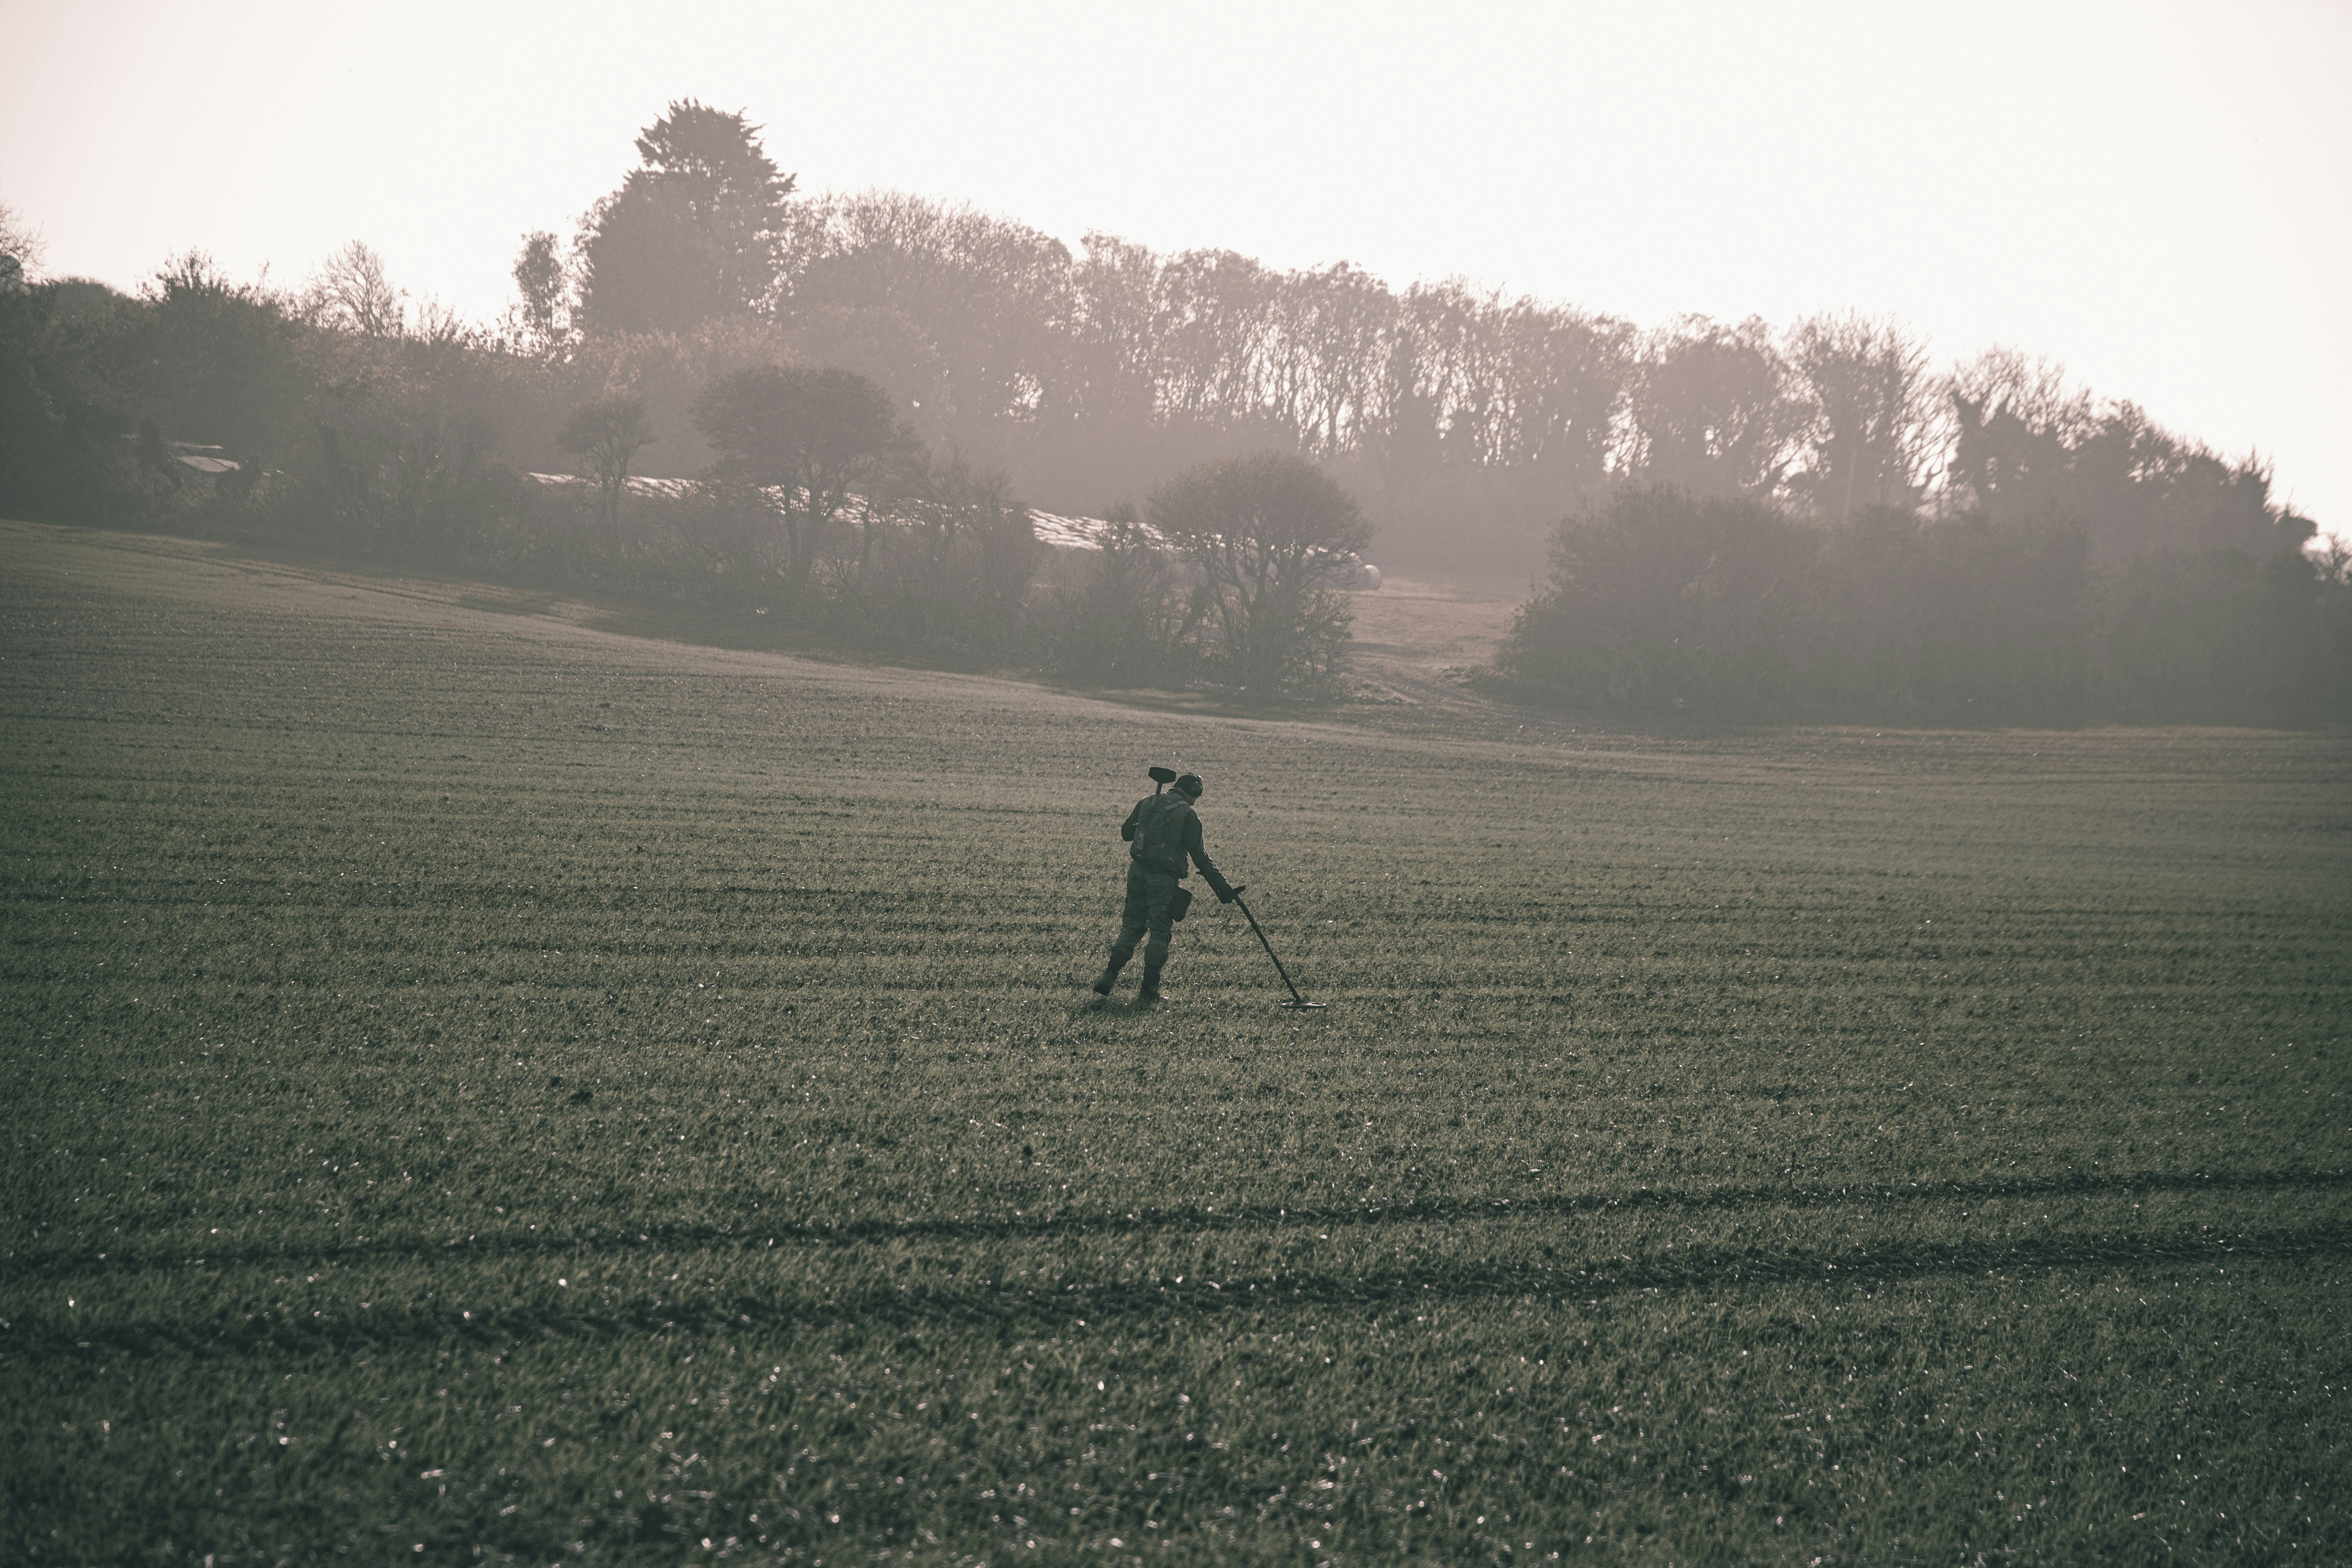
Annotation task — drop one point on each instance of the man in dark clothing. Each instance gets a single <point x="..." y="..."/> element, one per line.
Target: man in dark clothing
<point x="1165" y="835"/>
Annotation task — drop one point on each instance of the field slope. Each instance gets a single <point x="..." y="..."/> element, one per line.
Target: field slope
<point x="485" y="1088"/>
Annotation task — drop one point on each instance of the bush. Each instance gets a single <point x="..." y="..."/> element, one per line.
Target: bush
<point x="946" y="576"/>
<point x="1661" y="600"/>
<point x="1666" y="600"/>
<point x="1124" y="620"/>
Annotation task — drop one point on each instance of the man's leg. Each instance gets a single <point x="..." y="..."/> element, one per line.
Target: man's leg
<point x="1131" y="923"/>
<point x="1158" y="891"/>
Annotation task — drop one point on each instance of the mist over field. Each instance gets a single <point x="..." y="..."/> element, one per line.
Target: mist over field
<point x="553" y="865"/>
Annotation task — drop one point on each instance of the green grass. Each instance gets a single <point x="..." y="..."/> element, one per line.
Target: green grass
<point x="488" y="1090"/>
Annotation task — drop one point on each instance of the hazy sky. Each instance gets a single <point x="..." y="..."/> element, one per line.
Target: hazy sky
<point x="2158" y="194"/>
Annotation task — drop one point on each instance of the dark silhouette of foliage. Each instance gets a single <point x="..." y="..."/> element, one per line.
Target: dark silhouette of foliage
<point x="1662" y="600"/>
<point x="1125" y="620"/>
<point x="67" y="397"/>
<point x="221" y="362"/>
<point x="2216" y="636"/>
<point x="2136" y="489"/>
<point x="949" y="574"/>
<point x="1711" y="412"/>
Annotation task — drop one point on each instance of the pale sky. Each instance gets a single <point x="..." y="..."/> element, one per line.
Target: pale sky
<point x="2158" y="194"/>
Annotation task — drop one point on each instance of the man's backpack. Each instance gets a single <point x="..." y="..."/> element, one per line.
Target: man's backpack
<point x="1159" y="835"/>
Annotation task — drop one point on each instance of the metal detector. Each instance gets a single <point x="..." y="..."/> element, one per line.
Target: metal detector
<point x="1161" y="778"/>
<point x="1297" y="1001"/>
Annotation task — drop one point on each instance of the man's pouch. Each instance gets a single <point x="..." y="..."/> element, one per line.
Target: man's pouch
<point x="1177" y="902"/>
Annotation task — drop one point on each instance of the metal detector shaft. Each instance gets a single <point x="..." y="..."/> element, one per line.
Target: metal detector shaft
<point x="1269" y="951"/>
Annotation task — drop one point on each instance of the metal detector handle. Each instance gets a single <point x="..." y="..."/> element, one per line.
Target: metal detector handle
<point x="1269" y="949"/>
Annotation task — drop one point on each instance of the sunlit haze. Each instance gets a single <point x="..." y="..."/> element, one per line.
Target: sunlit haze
<point x="2157" y="196"/>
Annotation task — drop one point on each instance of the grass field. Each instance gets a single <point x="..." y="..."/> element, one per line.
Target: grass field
<point x="489" y="1089"/>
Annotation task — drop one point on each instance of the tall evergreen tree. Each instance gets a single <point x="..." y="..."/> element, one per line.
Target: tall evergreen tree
<point x="693" y="234"/>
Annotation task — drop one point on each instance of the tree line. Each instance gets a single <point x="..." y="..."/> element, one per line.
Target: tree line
<point x="1464" y="417"/>
<point x="2075" y="563"/>
<point x="342" y="417"/>
<point x="1464" y="423"/>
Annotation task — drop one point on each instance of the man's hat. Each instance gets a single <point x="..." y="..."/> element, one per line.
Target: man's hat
<point x="1190" y="784"/>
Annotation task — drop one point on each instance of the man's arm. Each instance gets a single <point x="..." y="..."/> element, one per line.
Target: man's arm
<point x="1126" y="829"/>
<point x="1193" y="847"/>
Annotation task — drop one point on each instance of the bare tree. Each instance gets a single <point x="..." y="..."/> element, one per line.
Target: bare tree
<point x="958" y="559"/>
<point x="1116" y="324"/>
<point x="1336" y="321"/>
<point x="351" y="291"/>
<point x="1867" y="403"/>
<point x="20" y="250"/>
<point x="2034" y="388"/>
<point x="1216" y="315"/>
<point x="1125" y="620"/>
<point x="993" y="299"/>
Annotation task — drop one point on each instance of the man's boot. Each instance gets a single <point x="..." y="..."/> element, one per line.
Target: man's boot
<point x="1109" y="976"/>
<point x="1151" y="992"/>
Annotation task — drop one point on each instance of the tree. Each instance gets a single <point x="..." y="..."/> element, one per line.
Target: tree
<point x="1268" y="534"/>
<point x="70" y="388"/>
<point x="956" y="564"/>
<point x="1865" y="394"/>
<point x="541" y="322"/>
<point x="811" y="438"/>
<point x="607" y="432"/>
<point x="1216" y="316"/>
<point x="1708" y="413"/>
<point x="2024" y="447"/>
<point x="692" y="234"/>
<point x="1335" y="321"/>
<point x="20" y="251"/>
<point x="1115" y="352"/>
<point x="220" y="361"/>
<point x="1123" y="621"/>
<point x="989" y="300"/>
<point x="353" y="292"/>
